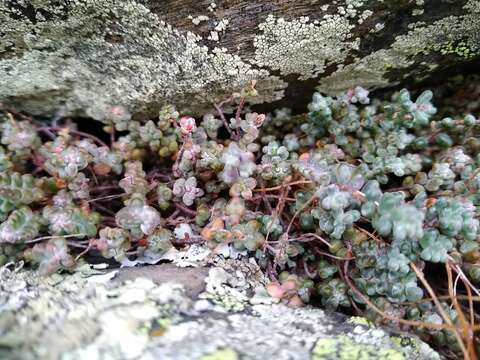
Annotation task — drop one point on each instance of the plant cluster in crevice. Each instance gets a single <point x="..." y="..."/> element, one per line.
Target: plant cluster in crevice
<point x="351" y="203"/>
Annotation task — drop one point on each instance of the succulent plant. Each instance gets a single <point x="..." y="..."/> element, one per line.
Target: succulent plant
<point x="397" y="218"/>
<point x="274" y="152"/>
<point x="103" y="158"/>
<point x="211" y="125"/>
<point x="357" y="189"/>
<point x="151" y="135"/>
<point x="20" y="137"/>
<point x="334" y="294"/>
<point x="118" y="115"/>
<point x="248" y="236"/>
<point x="51" y="255"/>
<point x="22" y="225"/>
<point x="113" y="243"/>
<point x="64" y="160"/>
<point x="435" y="246"/>
<point x="138" y="218"/>
<point x="134" y="181"/>
<point x="157" y="243"/>
<point x="455" y="218"/>
<point x="243" y="187"/>
<point x="15" y="190"/>
<point x="326" y="270"/>
<point x="79" y="186"/>
<point x="291" y="290"/>
<point x="5" y="160"/>
<point x="238" y="163"/>
<point x="65" y="218"/>
<point x="165" y="195"/>
<point x="11" y="253"/>
<point x="187" y="190"/>
<point x="421" y="110"/>
<point x="358" y="94"/>
<point x="183" y="232"/>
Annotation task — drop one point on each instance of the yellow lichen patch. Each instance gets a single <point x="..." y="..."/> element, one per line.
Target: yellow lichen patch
<point x="358" y="320"/>
<point x="460" y="49"/>
<point x="344" y="348"/>
<point x="223" y="354"/>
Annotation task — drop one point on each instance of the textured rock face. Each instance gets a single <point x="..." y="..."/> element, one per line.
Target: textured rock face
<point x="79" y="56"/>
<point x="94" y="314"/>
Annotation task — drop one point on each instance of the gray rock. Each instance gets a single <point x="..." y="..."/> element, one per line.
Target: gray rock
<point x="192" y="279"/>
<point x="87" y="315"/>
<point x="78" y="57"/>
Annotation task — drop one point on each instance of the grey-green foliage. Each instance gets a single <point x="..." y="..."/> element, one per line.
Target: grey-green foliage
<point x="157" y="243"/>
<point x="456" y="218"/>
<point x="435" y="246"/>
<point x="337" y="208"/>
<point x="396" y="218"/>
<point x="102" y="155"/>
<point x="64" y="217"/>
<point x="248" y="236"/>
<point x="355" y="195"/>
<point x="187" y="190"/>
<point x="64" y="158"/>
<point x="334" y="294"/>
<point x="274" y="161"/>
<point x="113" y="243"/>
<point x="137" y="217"/>
<point x="325" y="269"/>
<point x="385" y="272"/>
<point x="271" y="226"/>
<point x="22" y="225"/>
<point x="383" y="144"/>
<point x="51" y="255"/>
<point x="17" y="189"/>
<point x="20" y="137"/>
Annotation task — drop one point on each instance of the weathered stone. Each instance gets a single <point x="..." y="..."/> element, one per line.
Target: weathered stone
<point x="86" y="315"/>
<point x="192" y="279"/>
<point x="78" y="57"/>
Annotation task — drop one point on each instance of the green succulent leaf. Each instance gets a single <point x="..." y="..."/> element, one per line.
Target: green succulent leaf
<point x="22" y="225"/>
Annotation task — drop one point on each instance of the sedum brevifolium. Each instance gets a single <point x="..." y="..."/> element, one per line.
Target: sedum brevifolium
<point x="353" y="189"/>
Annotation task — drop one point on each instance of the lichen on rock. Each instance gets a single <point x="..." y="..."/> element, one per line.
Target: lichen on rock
<point x="82" y="56"/>
<point x="86" y="55"/>
<point x="85" y="315"/>
<point x="456" y="35"/>
<point x="304" y="47"/>
<point x="343" y="348"/>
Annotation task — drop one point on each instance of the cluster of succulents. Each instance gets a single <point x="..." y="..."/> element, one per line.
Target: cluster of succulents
<point x="355" y="192"/>
<point x="291" y="289"/>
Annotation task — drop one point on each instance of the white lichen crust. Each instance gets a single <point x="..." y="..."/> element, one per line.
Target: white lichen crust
<point x="77" y="57"/>
<point x="87" y="315"/>
<point x="456" y="35"/>
<point x="303" y="47"/>
<point x="92" y="52"/>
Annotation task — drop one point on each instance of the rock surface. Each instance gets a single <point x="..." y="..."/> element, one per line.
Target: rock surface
<point x="192" y="279"/>
<point x="87" y="315"/>
<point x="78" y="57"/>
